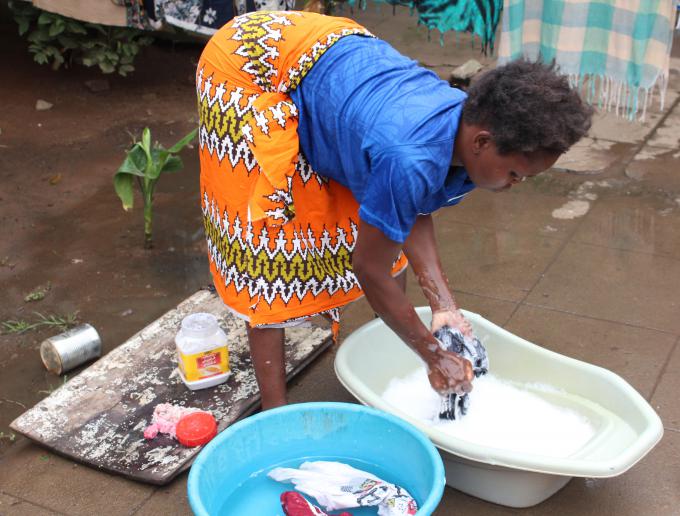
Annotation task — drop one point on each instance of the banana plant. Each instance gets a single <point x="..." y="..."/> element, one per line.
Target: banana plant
<point x="145" y="163"/>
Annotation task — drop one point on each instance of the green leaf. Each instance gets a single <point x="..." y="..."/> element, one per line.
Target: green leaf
<point x="135" y="162"/>
<point x="56" y="29"/>
<point x="106" y="67"/>
<point x="183" y="142"/>
<point x="130" y="167"/>
<point x="126" y="68"/>
<point x="146" y="139"/>
<point x="157" y="162"/>
<point x="24" y="24"/>
<point x="162" y="154"/>
<point x="146" y="142"/>
<point x="39" y="35"/>
<point x="45" y="18"/>
<point x="131" y="48"/>
<point x="174" y="164"/>
<point x="40" y="58"/>
<point x="67" y="42"/>
<point x="123" y="183"/>
<point x="75" y="27"/>
<point x="54" y="52"/>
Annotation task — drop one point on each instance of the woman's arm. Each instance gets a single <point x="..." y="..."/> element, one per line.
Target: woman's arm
<point x="421" y="250"/>
<point x="372" y="261"/>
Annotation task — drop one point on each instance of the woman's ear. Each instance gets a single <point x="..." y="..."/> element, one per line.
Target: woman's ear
<point x="481" y="141"/>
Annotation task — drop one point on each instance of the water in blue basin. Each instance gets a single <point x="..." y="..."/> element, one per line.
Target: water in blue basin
<point x="229" y="476"/>
<point x="260" y="494"/>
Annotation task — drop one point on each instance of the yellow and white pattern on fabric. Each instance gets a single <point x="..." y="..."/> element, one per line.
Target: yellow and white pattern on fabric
<point x="280" y="236"/>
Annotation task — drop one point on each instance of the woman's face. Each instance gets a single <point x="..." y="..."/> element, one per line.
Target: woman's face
<point x="493" y="171"/>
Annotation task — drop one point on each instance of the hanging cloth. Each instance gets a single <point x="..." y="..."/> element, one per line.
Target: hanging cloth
<point x="477" y="17"/>
<point x="616" y="51"/>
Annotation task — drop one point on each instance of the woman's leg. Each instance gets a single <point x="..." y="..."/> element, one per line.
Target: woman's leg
<point x="266" y="351"/>
<point x="401" y="279"/>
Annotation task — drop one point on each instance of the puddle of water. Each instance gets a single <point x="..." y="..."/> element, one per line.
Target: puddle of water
<point x="649" y="228"/>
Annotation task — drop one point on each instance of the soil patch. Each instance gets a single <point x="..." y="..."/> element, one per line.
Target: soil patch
<point x="62" y="221"/>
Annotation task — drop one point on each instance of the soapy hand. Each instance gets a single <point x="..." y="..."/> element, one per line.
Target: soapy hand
<point x="453" y="319"/>
<point x="455" y="406"/>
<point x="449" y="372"/>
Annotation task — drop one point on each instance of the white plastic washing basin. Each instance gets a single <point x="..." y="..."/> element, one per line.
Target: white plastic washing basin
<point x="627" y="428"/>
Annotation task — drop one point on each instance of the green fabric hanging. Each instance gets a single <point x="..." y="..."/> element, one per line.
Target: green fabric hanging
<point x="478" y="17"/>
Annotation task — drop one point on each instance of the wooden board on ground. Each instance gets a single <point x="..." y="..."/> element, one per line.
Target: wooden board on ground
<point x="98" y="417"/>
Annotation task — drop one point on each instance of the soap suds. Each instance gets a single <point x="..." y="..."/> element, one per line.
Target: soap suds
<point x="500" y="415"/>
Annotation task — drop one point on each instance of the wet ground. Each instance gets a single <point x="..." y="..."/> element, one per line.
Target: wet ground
<point x="63" y="225"/>
<point x="585" y="262"/>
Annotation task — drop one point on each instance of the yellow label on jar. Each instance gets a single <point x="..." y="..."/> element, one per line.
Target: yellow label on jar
<point x="205" y="364"/>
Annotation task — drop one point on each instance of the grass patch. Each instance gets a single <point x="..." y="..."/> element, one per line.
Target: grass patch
<point x="19" y="326"/>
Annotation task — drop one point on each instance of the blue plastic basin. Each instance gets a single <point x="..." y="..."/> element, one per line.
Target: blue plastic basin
<point x="229" y="474"/>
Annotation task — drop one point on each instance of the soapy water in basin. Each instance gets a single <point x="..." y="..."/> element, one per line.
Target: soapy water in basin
<point x="259" y="494"/>
<point x="500" y="415"/>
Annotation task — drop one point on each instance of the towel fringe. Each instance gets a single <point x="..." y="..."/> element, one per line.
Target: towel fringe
<point x="619" y="97"/>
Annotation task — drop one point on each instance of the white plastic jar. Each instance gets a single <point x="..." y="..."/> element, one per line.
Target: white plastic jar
<point x="202" y="353"/>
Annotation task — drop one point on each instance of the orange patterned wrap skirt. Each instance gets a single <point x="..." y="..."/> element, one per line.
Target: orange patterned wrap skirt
<point x="280" y="236"/>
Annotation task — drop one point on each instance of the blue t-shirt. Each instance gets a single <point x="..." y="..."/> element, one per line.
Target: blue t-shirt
<point x="379" y="124"/>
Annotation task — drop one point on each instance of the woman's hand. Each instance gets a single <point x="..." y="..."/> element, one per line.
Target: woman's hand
<point x="449" y="372"/>
<point x="453" y="318"/>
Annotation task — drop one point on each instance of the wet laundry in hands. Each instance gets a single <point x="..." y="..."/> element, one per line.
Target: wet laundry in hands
<point x="455" y="406"/>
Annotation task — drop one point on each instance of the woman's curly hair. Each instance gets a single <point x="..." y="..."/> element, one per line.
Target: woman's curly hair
<point x="527" y="106"/>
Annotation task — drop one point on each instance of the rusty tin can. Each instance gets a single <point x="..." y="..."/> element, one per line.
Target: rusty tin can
<point x="70" y="349"/>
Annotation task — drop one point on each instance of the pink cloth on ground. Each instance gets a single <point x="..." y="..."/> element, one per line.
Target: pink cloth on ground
<point x="165" y="418"/>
